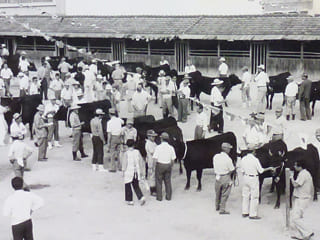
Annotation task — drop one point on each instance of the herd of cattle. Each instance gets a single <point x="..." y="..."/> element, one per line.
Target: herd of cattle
<point x="197" y="154"/>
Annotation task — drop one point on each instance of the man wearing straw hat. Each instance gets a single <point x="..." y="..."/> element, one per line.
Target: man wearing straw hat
<point x="245" y="87"/>
<point x="262" y="80"/>
<point x="117" y="75"/>
<point x="167" y="90"/>
<point x="150" y="148"/>
<point x="253" y="136"/>
<point x="17" y="127"/>
<point x="183" y="99"/>
<point x="216" y="99"/>
<point x="223" y="67"/>
<point x="75" y="124"/>
<point x="290" y="93"/>
<point x="97" y="141"/>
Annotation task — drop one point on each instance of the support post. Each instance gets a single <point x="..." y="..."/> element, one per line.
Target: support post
<point x="287" y="198"/>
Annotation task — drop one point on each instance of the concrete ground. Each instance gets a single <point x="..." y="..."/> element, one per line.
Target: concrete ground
<point x="81" y="204"/>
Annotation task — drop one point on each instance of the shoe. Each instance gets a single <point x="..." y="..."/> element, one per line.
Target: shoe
<point x="50" y="146"/>
<point x="224" y="213"/>
<point x="42" y="160"/>
<point x="113" y="171"/>
<point x="84" y="155"/>
<point x="77" y="159"/>
<point x="143" y="201"/>
<point x="101" y="168"/>
<point x="94" y="167"/>
<point x="130" y="203"/>
<point x="255" y="218"/>
<point x="45" y="158"/>
<point x="57" y="144"/>
<point x="294" y="237"/>
<point x="245" y="215"/>
<point x="27" y="169"/>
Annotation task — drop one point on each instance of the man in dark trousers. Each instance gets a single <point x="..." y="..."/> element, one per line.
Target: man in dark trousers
<point x="304" y="98"/>
<point x="19" y="206"/>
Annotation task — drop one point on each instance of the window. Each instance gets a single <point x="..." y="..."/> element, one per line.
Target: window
<point x="136" y="47"/>
<point x="100" y="45"/>
<point x="158" y="47"/>
<point x="284" y="49"/>
<point x="203" y="48"/>
<point x="25" y="1"/>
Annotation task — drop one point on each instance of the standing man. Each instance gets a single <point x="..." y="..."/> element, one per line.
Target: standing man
<point x="114" y="127"/>
<point x="51" y="107"/>
<point x="302" y="195"/>
<point x="164" y="156"/>
<point x="251" y="168"/>
<point x="7" y="75"/>
<point x="19" y="206"/>
<point x="183" y="99"/>
<point x="262" y="80"/>
<point x="23" y="84"/>
<point x="80" y="76"/>
<point x="77" y="142"/>
<point x="201" y="124"/>
<point x="290" y="93"/>
<point x="216" y="99"/>
<point x="140" y="101"/>
<point x="150" y="148"/>
<point x="4" y="52"/>
<point x="97" y="141"/>
<point x="189" y="68"/>
<point x="163" y="61"/>
<point x="279" y="125"/>
<point x="17" y="127"/>
<point x="167" y="90"/>
<point x="304" y="98"/>
<point x="41" y="131"/>
<point x="117" y="76"/>
<point x="223" y="68"/>
<point x="64" y="68"/>
<point x="223" y="167"/>
<point x="245" y="87"/>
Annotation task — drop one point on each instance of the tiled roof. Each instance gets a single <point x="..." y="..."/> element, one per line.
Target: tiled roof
<point x="251" y="27"/>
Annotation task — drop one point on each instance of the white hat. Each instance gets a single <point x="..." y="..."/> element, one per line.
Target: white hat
<point x="108" y="87"/>
<point x="40" y="107"/>
<point x="3" y="45"/>
<point x="23" y="53"/>
<point x="99" y="111"/>
<point x="222" y="59"/>
<point x="74" y="107"/>
<point x="16" y="116"/>
<point x="162" y="72"/>
<point x="217" y="82"/>
<point x="20" y="74"/>
<point x="261" y="66"/>
<point x="99" y="76"/>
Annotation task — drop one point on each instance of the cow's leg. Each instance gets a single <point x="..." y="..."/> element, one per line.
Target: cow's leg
<point x="180" y="167"/>
<point x="271" y="99"/>
<point x="199" y="176"/>
<point x="155" y="89"/>
<point x="283" y="99"/>
<point x="272" y="186"/>
<point x="267" y="98"/>
<point x="278" y="190"/>
<point x="188" y="172"/>
<point x="315" y="195"/>
<point x="260" y="187"/>
<point x="30" y="129"/>
<point x="313" y="105"/>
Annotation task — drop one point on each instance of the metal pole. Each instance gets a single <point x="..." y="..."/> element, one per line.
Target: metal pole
<point x="287" y="175"/>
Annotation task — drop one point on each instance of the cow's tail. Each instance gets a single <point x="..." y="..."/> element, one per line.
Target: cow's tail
<point x="184" y="156"/>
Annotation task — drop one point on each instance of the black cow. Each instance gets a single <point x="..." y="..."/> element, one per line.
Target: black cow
<point x="199" y="154"/>
<point x="277" y="84"/>
<point x="55" y="61"/>
<point x="27" y="106"/>
<point x="315" y="94"/>
<point x="13" y="64"/>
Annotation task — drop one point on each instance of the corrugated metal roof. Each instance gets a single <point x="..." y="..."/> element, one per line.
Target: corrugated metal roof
<point x="252" y="27"/>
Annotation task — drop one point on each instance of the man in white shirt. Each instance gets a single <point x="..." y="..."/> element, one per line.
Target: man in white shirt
<point x="223" y="68"/>
<point x="51" y="107"/>
<point x="89" y="82"/>
<point x="245" y="87"/>
<point x="164" y="156"/>
<point x="302" y="197"/>
<point x="223" y="167"/>
<point x="251" y="168"/>
<point x="167" y="90"/>
<point x="114" y="127"/>
<point x="4" y="52"/>
<point x="34" y="86"/>
<point x="17" y="127"/>
<point x="201" y="124"/>
<point x="24" y="64"/>
<point x="262" y="80"/>
<point x="64" y="68"/>
<point x="93" y="67"/>
<point x="150" y="147"/>
<point x="23" y="84"/>
<point x="163" y="61"/>
<point x="20" y="206"/>
<point x="190" y="67"/>
<point x="279" y="125"/>
<point x="7" y="75"/>
<point x="216" y="99"/>
<point x="183" y="99"/>
<point x="253" y="136"/>
<point x="140" y="101"/>
<point x="291" y="97"/>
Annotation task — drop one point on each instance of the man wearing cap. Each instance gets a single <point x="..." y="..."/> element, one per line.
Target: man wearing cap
<point x="117" y="75"/>
<point x="290" y="93"/>
<point x="251" y="168"/>
<point x="44" y="77"/>
<point x="150" y="148"/>
<point x="245" y="87"/>
<point x="140" y="101"/>
<point x="161" y="81"/>
<point x="216" y="99"/>
<point x="34" y="86"/>
<point x="97" y="141"/>
<point x="262" y="81"/>
<point x="17" y="127"/>
<point x="23" y="84"/>
<point x="98" y="89"/>
<point x="223" y="167"/>
<point x="183" y="99"/>
<point x="164" y="156"/>
<point x="64" y="68"/>
<point x="7" y="75"/>
<point x="189" y="68"/>
<point x="41" y="132"/>
<point x="51" y="107"/>
<point x="167" y="90"/>
<point x="114" y="127"/>
<point x="75" y="124"/>
<point x="56" y="86"/>
<point x="223" y="67"/>
<point x="304" y="98"/>
<point x="279" y="125"/>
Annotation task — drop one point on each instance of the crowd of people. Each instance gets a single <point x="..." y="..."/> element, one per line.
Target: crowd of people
<point x="130" y="100"/>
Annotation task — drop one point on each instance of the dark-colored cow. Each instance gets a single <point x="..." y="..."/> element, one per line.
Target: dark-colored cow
<point x="199" y="154"/>
<point x="315" y="94"/>
<point x="55" y="61"/>
<point x="13" y="64"/>
<point x="27" y="106"/>
<point x="277" y="84"/>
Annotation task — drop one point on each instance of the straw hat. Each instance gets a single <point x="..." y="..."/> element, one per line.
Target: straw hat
<point x="217" y="82"/>
<point x="186" y="76"/>
<point x="164" y="136"/>
<point x="16" y="116"/>
<point x="74" y="107"/>
<point x="162" y="72"/>
<point x="99" y="111"/>
<point x="112" y="111"/>
<point x="222" y="59"/>
<point x="130" y="121"/>
<point x="226" y="145"/>
<point x="261" y="66"/>
<point x="40" y="108"/>
<point x="151" y="133"/>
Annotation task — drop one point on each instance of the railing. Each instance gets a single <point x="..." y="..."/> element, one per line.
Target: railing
<point x="284" y="54"/>
<point x="167" y="52"/>
<point x="25" y="47"/>
<point x="235" y="53"/>
<point x="143" y="51"/>
<point x="101" y="49"/>
<point x="201" y="52"/>
<point x="312" y="55"/>
<point x="45" y="47"/>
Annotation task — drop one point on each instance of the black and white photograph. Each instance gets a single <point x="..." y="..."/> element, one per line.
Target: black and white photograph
<point x="175" y="120"/>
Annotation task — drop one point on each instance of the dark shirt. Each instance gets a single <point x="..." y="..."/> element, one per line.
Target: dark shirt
<point x="80" y="78"/>
<point x="305" y="89"/>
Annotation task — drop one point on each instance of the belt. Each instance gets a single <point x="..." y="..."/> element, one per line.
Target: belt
<point x="221" y="175"/>
<point x="262" y="86"/>
<point x="249" y="175"/>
